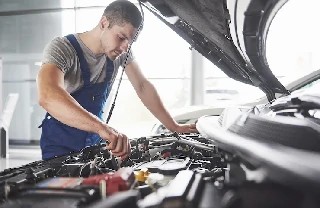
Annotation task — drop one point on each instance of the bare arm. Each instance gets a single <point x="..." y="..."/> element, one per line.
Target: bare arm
<point x="61" y="105"/>
<point x="150" y="98"/>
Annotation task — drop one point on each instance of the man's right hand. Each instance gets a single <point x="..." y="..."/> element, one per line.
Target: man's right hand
<point x="119" y="143"/>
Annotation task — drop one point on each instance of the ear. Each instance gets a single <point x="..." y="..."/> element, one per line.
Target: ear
<point x="104" y="23"/>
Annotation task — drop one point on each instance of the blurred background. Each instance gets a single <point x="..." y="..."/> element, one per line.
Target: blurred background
<point x="181" y="76"/>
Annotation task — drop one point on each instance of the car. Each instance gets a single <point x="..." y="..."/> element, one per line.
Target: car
<point x="247" y="156"/>
<point x="190" y="114"/>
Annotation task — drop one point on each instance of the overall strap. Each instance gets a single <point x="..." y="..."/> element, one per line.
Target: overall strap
<point x="85" y="71"/>
<point x="110" y="70"/>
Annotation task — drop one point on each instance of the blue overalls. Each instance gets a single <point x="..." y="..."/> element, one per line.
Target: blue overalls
<point x="60" y="139"/>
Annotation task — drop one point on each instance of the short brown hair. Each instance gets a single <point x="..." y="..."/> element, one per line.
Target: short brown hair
<point x="123" y="11"/>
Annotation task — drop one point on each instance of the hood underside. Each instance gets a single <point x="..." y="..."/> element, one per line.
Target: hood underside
<point x="208" y="25"/>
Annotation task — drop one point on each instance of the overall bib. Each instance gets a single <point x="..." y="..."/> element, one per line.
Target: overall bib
<point x="60" y="139"/>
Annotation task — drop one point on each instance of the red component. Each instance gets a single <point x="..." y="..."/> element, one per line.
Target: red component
<point x="121" y="180"/>
<point x="166" y="154"/>
<point x="94" y="180"/>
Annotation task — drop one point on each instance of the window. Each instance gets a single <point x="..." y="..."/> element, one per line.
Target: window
<point x="27" y="28"/>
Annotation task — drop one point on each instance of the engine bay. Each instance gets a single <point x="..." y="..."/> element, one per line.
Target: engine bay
<point x="94" y="175"/>
<point x="167" y="170"/>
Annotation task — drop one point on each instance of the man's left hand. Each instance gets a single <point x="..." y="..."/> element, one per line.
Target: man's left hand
<point x="186" y="128"/>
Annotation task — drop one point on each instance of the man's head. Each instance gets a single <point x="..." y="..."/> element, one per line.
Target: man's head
<point x="118" y="26"/>
<point x="122" y="11"/>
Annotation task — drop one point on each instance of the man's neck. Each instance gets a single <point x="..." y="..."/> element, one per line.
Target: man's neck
<point x="92" y="41"/>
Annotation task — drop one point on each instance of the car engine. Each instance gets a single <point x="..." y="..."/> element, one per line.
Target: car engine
<point x="93" y="177"/>
<point x="247" y="157"/>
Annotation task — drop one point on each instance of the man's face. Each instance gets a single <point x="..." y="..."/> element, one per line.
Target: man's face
<point x="115" y="40"/>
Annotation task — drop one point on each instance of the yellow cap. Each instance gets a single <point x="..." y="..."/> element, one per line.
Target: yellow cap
<point x="141" y="175"/>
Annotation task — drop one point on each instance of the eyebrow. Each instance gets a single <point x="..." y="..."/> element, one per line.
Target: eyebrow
<point x="123" y="34"/>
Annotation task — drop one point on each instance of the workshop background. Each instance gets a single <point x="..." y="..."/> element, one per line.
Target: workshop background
<point x="27" y="26"/>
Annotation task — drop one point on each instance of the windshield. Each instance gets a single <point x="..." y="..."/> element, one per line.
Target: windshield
<point x="293" y="41"/>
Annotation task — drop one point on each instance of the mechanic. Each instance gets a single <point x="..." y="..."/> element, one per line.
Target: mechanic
<point x="75" y="79"/>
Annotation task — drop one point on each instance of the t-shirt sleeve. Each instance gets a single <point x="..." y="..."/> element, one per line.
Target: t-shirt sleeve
<point x="59" y="52"/>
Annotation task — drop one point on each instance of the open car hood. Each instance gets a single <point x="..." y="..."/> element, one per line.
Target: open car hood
<point x="229" y="33"/>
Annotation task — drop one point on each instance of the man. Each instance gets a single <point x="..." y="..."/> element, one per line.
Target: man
<point x="75" y="80"/>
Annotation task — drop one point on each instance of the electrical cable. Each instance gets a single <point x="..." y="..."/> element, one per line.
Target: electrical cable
<point x="125" y="64"/>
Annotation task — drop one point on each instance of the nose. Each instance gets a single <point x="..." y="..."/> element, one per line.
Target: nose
<point x="124" y="46"/>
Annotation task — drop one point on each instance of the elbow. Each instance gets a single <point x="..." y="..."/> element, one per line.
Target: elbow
<point x="44" y="101"/>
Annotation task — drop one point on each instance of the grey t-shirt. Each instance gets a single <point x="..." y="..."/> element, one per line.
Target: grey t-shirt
<point x="61" y="53"/>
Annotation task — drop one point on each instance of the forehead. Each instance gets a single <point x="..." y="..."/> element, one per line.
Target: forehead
<point x="125" y="29"/>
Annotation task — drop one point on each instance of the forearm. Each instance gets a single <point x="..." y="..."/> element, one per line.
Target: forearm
<point x="150" y="98"/>
<point x="66" y="109"/>
<point x="62" y="106"/>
